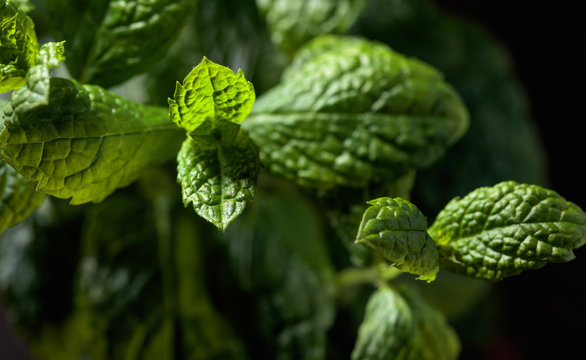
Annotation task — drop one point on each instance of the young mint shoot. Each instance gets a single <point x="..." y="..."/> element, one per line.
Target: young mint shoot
<point x="155" y="206"/>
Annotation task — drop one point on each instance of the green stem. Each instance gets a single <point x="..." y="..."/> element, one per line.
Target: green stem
<point x="165" y="247"/>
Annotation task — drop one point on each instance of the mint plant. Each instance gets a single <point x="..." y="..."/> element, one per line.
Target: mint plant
<point x="157" y="204"/>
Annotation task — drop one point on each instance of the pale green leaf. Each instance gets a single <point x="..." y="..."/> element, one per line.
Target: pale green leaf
<point x="18" y="46"/>
<point x="401" y="326"/>
<point x="397" y="230"/>
<point x="220" y="180"/>
<point x="500" y="231"/>
<point x="213" y="93"/>
<point x="108" y="42"/>
<point x="350" y="111"/>
<point x="82" y="141"/>
<point x="293" y="23"/>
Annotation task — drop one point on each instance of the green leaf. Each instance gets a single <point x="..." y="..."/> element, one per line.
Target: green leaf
<point x="279" y="257"/>
<point x="350" y="111"/>
<point x="213" y="93"/>
<point x="500" y="231"/>
<point x="220" y="180"/>
<point x="18" y="46"/>
<point x="18" y="198"/>
<point x="82" y="141"/>
<point x="293" y="23"/>
<point x="397" y="230"/>
<point x="401" y="326"/>
<point x="502" y="142"/>
<point x="140" y="290"/>
<point x="108" y="42"/>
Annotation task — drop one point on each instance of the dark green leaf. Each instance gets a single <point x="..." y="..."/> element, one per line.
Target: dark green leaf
<point x="293" y="23"/>
<point x="351" y="111"/>
<point x="140" y="289"/>
<point x="108" y="42"/>
<point x="500" y="231"/>
<point x="81" y="141"/>
<point x="220" y="180"/>
<point x="278" y="255"/>
<point x="401" y="326"/>
<point x="18" y="198"/>
<point x="397" y="230"/>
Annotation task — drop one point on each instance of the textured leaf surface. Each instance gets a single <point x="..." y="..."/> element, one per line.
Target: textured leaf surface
<point x="401" y="326"/>
<point x="279" y="257"/>
<point x="18" y="46"/>
<point x="349" y="111"/>
<point x="18" y="198"/>
<point x="110" y="41"/>
<point x="293" y="23"/>
<point x="211" y="92"/>
<point x="220" y="180"/>
<point x="397" y="230"/>
<point x="500" y="231"/>
<point x="82" y="141"/>
<point x="502" y="142"/>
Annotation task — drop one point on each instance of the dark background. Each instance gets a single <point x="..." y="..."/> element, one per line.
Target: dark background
<point x="542" y="313"/>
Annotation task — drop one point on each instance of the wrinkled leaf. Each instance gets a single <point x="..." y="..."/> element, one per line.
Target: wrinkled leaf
<point x="350" y="111"/>
<point x="18" y="46"/>
<point x="278" y="254"/>
<point x="90" y="143"/>
<point x="219" y="180"/>
<point x="108" y="42"/>
<point x="401" y="326"/>
<point x="211" y="93"/>
<point x="500" y="231"/>
<point x="397" y="230"/>
<point x="293" y="23"/>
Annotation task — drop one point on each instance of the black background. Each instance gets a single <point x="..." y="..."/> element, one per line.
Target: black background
<point x="542" y="313"/>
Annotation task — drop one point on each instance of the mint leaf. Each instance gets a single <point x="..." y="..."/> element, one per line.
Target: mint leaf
<point x="211" y="92"/>
<point x="18" y="46"/>
<point x="18" y="198"/>
<point x="293" y="23"/>
<point x="500" y="231"/>
<point x="220" y="180"/>
<point x="82" y="141"/>
<point x="279" y="256"/>
<point x="397" y="230"/>
<point x="400" y="325"/>
<point x="350" y="112"/>
<point x="108" y="42"/>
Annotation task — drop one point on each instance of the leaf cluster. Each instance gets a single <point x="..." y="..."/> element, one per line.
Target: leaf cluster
<point x="158" y="206"/>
